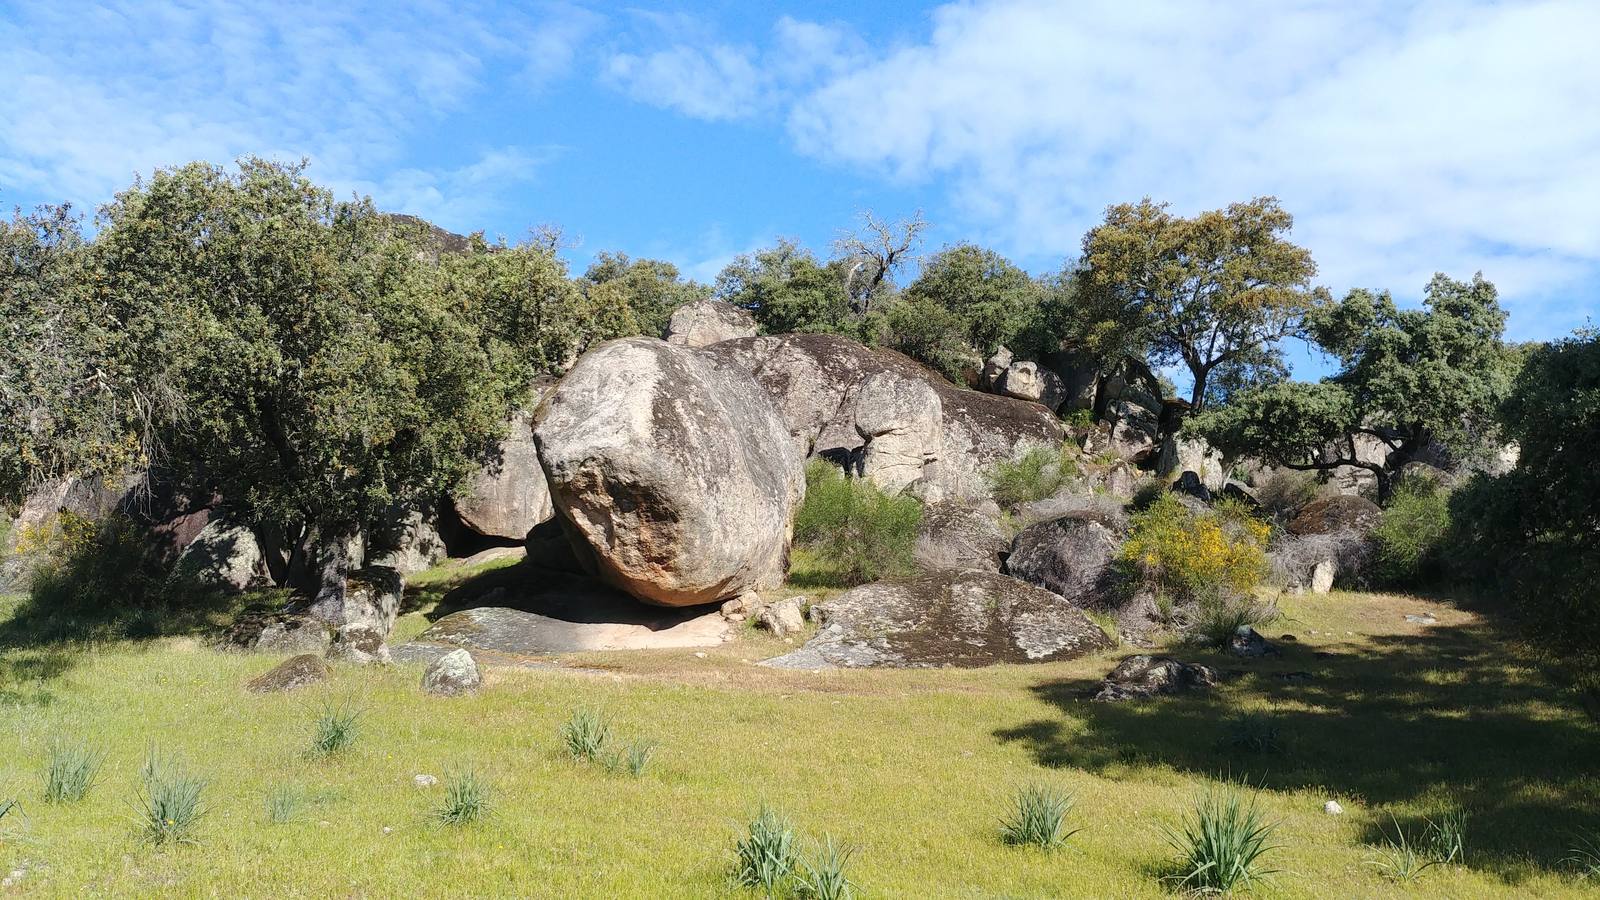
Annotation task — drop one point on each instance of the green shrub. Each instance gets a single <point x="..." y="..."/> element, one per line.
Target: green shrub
<point x="1446" y="837"/>
<point x="1038" y="815"/>
<point x="862" y="532"/>
<point x="1410" y="537"/>
<point x="1585" y="856"/>
<point x="633" y="760"/>
<point x="335" y="730"/>
<point x="170" y="803"/>
<point x="931" y="335"/>
<point x="824" y="878"/>
<point x="1222" y="844"/>
<point x="1282" y="493"/>
<point x="1216" y="621"/>
<point x="1254" y="733"/>
<point x="70" y="771"/>
<point x="1035" y="475"/>
<point x="466" y="800"/>
<point x="765" y="856"/>
<point x="1204" y="558"/>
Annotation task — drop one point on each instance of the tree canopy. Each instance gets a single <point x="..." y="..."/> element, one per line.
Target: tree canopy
<point x="1407" y="378"/>
<point x="1220" y="289"/>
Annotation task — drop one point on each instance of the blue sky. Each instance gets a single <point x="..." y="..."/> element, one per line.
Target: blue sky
<point x="1406" y="137"/>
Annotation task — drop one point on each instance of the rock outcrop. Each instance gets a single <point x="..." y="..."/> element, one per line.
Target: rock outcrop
<point x="1141" y="677"/>
<point x="706" y="322"/>
<point x="955" y="618"/>
<point x="1328" y="515"/>
<point x="816" y="383"/>
<point x="1028" y="380"/>
<point x="369" y="596"/>
<point x="956" y="536"/>
<point x="508" y="496"/>
<point x="223" y="556"/>
<point x="1071" y="556"/>
<point x="676" y="475"/>
<point x="902" y="422"/>
<point x="291" y="674"/>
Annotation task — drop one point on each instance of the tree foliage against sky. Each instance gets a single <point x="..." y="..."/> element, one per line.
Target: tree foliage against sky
<point x="1216" y="290"/>
<point x="1407" y="378"/>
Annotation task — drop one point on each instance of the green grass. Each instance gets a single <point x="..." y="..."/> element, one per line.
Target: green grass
<point x="170" y="801"/>
<point x="467" y="800"/>
<point x="1038" y="818"/>
<point x="902" y="766"/>
<point x="336" y="728"/>
<point x="765" y="857"/>
<point x="1223" y="844"/>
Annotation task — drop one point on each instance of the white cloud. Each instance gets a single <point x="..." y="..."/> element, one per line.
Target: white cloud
<point x="1433" y="136"/>
<point x="707" y="79"/>
<point x="97" y="95"/>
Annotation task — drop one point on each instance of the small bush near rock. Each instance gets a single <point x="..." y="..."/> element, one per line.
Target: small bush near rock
<point x="865" y="534"/>
<point x="1037" y="818"/>
<point x="335" y="730"/>
<point x="1410" y="537"/>
<point x="1217" y="621"/>
<point x="170" y="803"/>
<point x="1284" y="492"/>
<point x="765" y="857"/>
<point x="1222" y="844"/>
<point x="1195" y="557"/>
<point x="1037" y="474"/>
<point x="466" y="800"/>
<point x="71" y="771"/>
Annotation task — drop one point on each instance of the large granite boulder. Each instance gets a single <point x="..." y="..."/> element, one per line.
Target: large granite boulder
<point x="1328" y="515"/>
<point x="1134" y="431"/>
<point x="1028" y="380"/>
<point x="956" y="536"/>
<point x="278" y="633"/>
<point x="902" y="422"/>
<point x="369" y="596"/>
<point x="508" y="496"/>
<point x="409" y="542"/>
<point x="1071" y="556"/>
<point x="676" y="476"/>
<point x="222" y="556"/>
<point x="953" y="618"/>
<point x="707" y="322"/>
<point x="816" y="382"/>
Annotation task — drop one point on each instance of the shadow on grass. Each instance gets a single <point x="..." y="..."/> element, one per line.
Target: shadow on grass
<point x="1454" y="716"/>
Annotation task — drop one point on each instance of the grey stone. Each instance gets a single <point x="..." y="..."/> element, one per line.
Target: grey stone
<point x="783" y="617"/>
<point x="1327" y="515"/>
<point x="676" y="474"/>
<point x="224" y="556"/>
<point x="508" y="496"/>
<point x="1029" y="381"/>
<point x="955" y="536"/>
<point x="291" y="674"/>
<point x="1248" y="643"/>
<point x="407" y="542"/>
<point x="359" y="644"/>
<point x="452" y="674"/>
<point x="369" y="596"/>
<point x="1143" y="676"/>
<point x="994" y="369"/>
<point x="278" y="633"/>
<point x="953" y="618"/>
<point x="901" y="422"/>
<point x="1071" y="556"/>
<point x="706" y="322"/>
<point x="518" y="631"/>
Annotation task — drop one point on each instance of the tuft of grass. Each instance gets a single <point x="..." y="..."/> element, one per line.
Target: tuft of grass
<point x="1399" y="859"/>
<point x="7" y="807"/>
<point x="824" y="878"/>
<point x="284" y="803"/>
<point x="170" y="802"/>
<point x="1585" y="856"/>
<point x="765" y="857"/>
<point x="633" y="760"/>
<point x="586" y="735"/>
<point x="71" y="771"/>
<point x="466" y="800"/>
<point x="1222" y="844"/>
<point x="336" y="729"/>
<point x="1038" y="816"/>
<point x="1252" y="732"/>
<point x="1446" y="837"/>
<point x="1217" y="621"/>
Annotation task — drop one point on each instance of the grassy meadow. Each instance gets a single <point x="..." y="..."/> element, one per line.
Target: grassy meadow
<point x="1396" y="721"/>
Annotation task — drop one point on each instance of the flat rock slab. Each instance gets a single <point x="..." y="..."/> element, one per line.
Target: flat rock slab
<point x="528" y="633"/>
<point x="954" y="618"/>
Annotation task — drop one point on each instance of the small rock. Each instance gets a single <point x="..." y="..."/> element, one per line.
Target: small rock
<point x="452" y="674"/>
<point x="1333" y="808"/>
<point x="700" y="654"/>
<point x="1248" y="643"/>
<point x="388" y="830"/>
<point x="783" y="618"/>
<point x="741" y="607"/>
<point x="1143" y="676"/>
<point x="294" y="672"/>
<point x="359" y="644"/>
<point x="1424" y="619"/>
<point x="425" y="781"/>
<point x="14" y="879"/>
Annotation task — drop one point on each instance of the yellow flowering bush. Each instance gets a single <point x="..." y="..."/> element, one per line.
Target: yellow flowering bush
<point x="1204" y="557"/>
